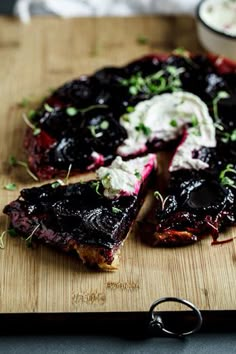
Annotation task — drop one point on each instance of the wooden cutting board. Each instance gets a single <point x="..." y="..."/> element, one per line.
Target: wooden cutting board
<point x="45" y="54"/>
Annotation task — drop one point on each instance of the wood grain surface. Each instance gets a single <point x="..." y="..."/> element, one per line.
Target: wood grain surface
<point x="45" y="54"/>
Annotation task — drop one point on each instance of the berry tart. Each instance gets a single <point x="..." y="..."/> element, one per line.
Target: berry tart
<point x="182" y="103"/>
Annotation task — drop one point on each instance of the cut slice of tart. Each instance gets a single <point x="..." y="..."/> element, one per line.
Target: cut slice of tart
<point x="198" y="203"/>
<point x="93" y="218"/>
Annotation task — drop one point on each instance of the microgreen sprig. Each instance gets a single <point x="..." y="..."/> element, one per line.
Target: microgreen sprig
<point x="143" y="128"/>
<point x="220" y="95"/>
<point x="159" y="196"/>
<point x="142" y="40"/>
<point x="225" y="180"/>
<point x="173" y="123"/>
<point x="64" y="182"/>
<point x="35" y="129"/>
<point x="130" y="109"/>
<point x="10" y="232"/>
<point x="68" y="174"/>
<point x="228" y="137"/>
<point x="2" y="245"/>
<point x="185" y="54"/>
<point x="104" y="125"/>
<point x="116" y="210"/>
<point x="155" y="83"/>
<point x="48" y="108"/>
<point x="57" y="183"/>
<point x="73" y="111"/>
<point x="96" y="185"/>
<point x="137" y="174"/>
<point x="14" y="162"/>
<point x="28" y="240"/>
<point x="10" y="186"/>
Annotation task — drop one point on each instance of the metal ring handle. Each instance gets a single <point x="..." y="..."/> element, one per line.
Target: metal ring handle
<point x="156" y="320"/>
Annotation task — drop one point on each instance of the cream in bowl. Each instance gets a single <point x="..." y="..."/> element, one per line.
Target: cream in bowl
<point x="216" y="25"/>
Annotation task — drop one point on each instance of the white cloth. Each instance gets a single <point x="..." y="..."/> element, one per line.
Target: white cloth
<point x="72" y="8"/>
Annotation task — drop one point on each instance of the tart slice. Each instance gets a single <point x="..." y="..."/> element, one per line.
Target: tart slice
<point x="198" y="202"/>
<point x="93" y="218"/>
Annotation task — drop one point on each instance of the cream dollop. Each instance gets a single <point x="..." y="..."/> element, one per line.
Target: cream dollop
<point x="220" y="15"/>
<point x="125" y="177"/>
<point x="165" y="117"/>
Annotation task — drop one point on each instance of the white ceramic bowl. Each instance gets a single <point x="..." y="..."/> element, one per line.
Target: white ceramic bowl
<point x="216" y="26"/>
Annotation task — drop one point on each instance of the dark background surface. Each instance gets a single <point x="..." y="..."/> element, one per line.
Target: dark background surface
<point x="198" y="343"/>
<point x="218" y="342"/>
<point x="6" y="6"/>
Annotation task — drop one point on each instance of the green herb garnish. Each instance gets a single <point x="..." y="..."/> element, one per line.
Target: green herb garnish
<point x="155" y="83"/>
<point x="142" y="40"/>
<point x="12" y="232"/>
<point x="228" y="137"/>
<point x="182" y="52"/>
<point x="93" y="129"/>
<point x="2" y="246"/>
<point x="105" y="180"/>
<point x="195" y="126"/>
<point x="71" y="111"/>
<point x="226" y="180"/>
<point x="35" y="129"/>
<point x="143" y="128"/>
<point x="116" y="210"/>
<point x="125" y="117"/>
<point x="57" y="183"/>
<point x="48" y="108"/>
<point x="96" y="185"/>
<point x="10" y="187"/>
<point x="130" y="109"/>
<point x="31" y="114"/>
<point x="137" y="174"/>
<point x="28" y="240"/>
<point x="14" y="162"/>
<point x="173" y="123"/>
<point x="104" y="125"/>
<point x="233" y="135"/>
<point x="87" y="109"/>
<point x="220" y="95"/>
<point x="194" y="121"/>
<point x="68" y="174"/>
<point x="159" y="196"/>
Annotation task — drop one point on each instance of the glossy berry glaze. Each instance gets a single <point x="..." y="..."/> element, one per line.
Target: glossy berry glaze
<point x="90" y="137"/>
<point x="198" y="202"/>
<point x="84" y="216"/>
<point x="75" y="216"/>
